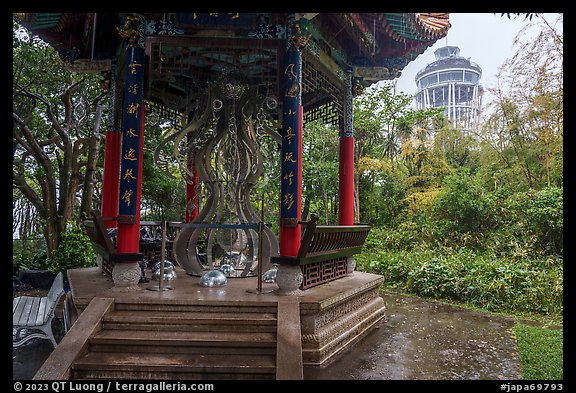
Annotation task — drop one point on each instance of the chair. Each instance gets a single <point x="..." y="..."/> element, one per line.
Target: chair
<point x="35" y="313"/>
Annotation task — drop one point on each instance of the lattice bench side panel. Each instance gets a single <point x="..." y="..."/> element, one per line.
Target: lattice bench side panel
<point x="321" y="272"/>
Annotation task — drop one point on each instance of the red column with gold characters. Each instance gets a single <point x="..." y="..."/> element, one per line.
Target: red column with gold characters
<point x="289" y="277"/>
<point x="346" y="160"/>
<point x="291" y="151"/>
<point x="126" y="272"/>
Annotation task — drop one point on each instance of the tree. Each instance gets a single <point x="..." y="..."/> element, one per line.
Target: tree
<point x="394" y="146"/>
<point x="54" y="143"/>
<point x="525" y="121"/>
<point x="320" y="170"/>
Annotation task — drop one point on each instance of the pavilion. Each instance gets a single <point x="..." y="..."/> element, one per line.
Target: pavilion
<point x="232" y="81"/>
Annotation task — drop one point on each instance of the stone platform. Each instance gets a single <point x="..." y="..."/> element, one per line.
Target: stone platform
<point x="333" y="315"/>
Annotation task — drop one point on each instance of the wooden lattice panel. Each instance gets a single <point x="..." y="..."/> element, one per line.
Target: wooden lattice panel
<point x="152" y="251"/>
<point x="322" y="272"/>
<point x="317" y="82"/>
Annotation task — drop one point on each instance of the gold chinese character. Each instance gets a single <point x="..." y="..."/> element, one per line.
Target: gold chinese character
<point x="290" y="71"/>
<point x="133" y="89"/>
<point x="130" y="132"/>
<point x="288" y="157"/>
<point x="127" y="195"/>
<point x="128" y="175"/>
<point x="133" y="68"/>
<point x="133" y="109"/>
<point x="289" y="135"/>
<point x="288" y="200"/>
<point x="289" y="176"/>
<point x="131" y="154"/>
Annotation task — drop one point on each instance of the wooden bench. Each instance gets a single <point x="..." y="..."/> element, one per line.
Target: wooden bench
<point x="35" y="313"/>
<point x="324" y="251"/>
<point x="103" y="245"/>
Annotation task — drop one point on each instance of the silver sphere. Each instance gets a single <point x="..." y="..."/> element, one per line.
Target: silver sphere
<point x="169" y="273"/>
<point x="228" y="270"/>
<point x="167" y="264"/>
<point x="213" y="278"/>
<point x="270" y="275"/>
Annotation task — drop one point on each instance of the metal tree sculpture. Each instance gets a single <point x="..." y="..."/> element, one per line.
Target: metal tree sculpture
<point x="223" y="142"/>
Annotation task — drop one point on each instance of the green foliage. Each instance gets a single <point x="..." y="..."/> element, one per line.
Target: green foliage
<point x="541" y="352"/>
<point x="74" y="251"/>
<point x="528" y="223"/>
<point x="478" y="279"/>
<point x="462" y="202"/>
<point x="382" y="193"/>
<point x="32" y="258"/>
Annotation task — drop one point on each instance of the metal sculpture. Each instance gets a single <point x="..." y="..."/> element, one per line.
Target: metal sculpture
<point x="224" y="141"/>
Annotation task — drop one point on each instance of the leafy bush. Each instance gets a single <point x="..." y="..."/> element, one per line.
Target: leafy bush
<point x="545" y="218"/>
<point x="478" y="279"/>
<point x="34" y="257"/>
<point x="462" y="202"/>
<point x="74" y="251"/>
<point x="529" y="223"/>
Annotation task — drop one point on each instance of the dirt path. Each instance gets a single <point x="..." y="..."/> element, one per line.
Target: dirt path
<point x="424" y="340"/>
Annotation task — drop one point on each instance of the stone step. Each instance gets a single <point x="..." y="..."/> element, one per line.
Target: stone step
<point x="204" y="306"/>
<point x="183" y="342"/>
<point x="189" y="321"/>
<point x="114" y="365"/>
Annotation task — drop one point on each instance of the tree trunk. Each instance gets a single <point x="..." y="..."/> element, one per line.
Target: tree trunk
<point x="89" y="179"/>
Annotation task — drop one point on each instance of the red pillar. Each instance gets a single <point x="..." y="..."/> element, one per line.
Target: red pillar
<point x="291" y="232"/>
<point x="132" y="151"/>
<point x="291" y="150"/>
<point x="110" y="182"/>
<point x="129" y="234"/>
<point x="346" y="160"/>
<point x="346" y="181"/>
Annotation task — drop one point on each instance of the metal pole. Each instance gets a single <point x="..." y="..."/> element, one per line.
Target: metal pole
<point x="260" y="242"/>
<point x="161" y="286"/>
<point x="260" y="245"/>
<point x="162" y="259"/>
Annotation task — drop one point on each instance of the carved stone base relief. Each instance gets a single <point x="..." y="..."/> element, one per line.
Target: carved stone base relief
<point x="329" y="331"/>
<point x="126" y="277"/>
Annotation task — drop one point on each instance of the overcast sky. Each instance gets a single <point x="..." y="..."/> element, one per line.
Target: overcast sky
<point x="485" y="38"/>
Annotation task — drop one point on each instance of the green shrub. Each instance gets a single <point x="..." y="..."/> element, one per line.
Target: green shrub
<point x="34" y="257"/>
<point x="74" y="251"/>
<point x="475" y="278"/>
<point x="462" y="202"/>
<point x="545" y="218"/>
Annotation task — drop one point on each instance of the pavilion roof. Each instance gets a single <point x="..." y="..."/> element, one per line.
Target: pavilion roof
<point x="186" y="49"/>
<point x="367" y="37"/>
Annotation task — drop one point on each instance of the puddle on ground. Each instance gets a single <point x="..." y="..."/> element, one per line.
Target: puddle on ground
<point x="424" y="340"/>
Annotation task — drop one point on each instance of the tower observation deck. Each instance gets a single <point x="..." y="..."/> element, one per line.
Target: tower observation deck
<point x="452" y="82"/>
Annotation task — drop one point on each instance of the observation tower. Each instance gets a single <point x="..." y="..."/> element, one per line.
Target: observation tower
<point x="452" y="82"/>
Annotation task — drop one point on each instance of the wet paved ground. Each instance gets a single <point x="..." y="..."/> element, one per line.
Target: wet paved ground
<point x="424" y="340"/>
<point x="419" y="340"/>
